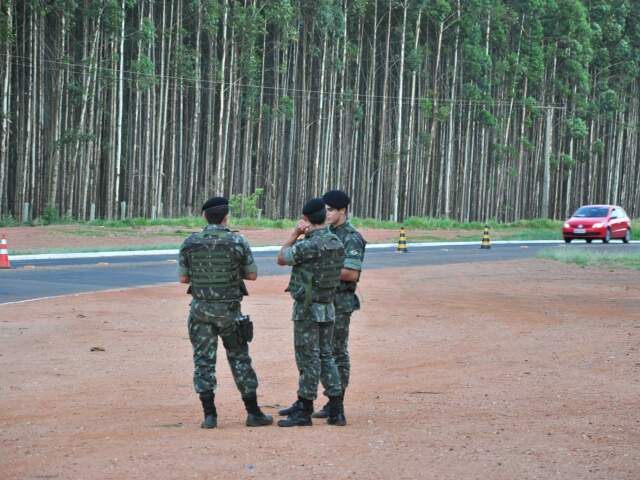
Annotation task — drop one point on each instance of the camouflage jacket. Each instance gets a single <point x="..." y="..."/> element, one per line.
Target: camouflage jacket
<point x="354" y="246"/>
<point x="216" y="260"/>
<point x="317" y="261"/>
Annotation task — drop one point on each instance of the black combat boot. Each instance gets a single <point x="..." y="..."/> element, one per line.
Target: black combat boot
<point x="209" y="407"/>
<point x="297" y="405"/>
<point x="300" y="416"/>
<point x="255" y="417"/>
<point x="322" y="413"/>
<point x="336" y="412"/>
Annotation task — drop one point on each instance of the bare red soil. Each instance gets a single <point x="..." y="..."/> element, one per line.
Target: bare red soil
<point x="514" y="370"/>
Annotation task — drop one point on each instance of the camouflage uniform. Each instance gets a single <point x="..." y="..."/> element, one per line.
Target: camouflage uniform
<point x="216" y="260"/>
<point x="346" y="301"/>
<point x="316" y="260"/>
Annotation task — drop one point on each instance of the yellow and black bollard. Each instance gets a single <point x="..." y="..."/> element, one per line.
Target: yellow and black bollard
<point x="402" y="242"/>
<point x="486" y="240"/>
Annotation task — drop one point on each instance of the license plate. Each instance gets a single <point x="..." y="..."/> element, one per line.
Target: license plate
<point x="579" y="230"/>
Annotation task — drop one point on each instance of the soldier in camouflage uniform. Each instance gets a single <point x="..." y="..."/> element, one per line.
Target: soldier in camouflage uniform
<point x="316" y="260"/>
<point x="346" y="301"/>
<point x="215" y="262"/>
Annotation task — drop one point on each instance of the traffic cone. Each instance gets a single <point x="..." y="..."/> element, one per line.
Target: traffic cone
<point x="402" y="242"/>
<point x="4" y="253"/>
<point x="486" y="240"/>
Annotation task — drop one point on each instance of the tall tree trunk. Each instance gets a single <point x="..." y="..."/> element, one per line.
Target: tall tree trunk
<point x="6" y="108"/>
<point x="399" y="129"/>
<point x="221" y="165"/>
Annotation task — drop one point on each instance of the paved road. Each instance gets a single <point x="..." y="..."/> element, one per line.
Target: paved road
<point x="45" y="278"/>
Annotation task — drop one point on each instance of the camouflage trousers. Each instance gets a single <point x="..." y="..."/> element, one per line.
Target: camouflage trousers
<point x="341" y="347"/>
<point x="312" y="341"/>
<point x="207" y="322"/>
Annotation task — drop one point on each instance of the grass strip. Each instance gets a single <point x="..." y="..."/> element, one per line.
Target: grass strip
<point x="585" y="258"/>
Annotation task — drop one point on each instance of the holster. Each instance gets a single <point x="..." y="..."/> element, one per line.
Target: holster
<point x="244" y="326"/>
<point x="243" y="288"/>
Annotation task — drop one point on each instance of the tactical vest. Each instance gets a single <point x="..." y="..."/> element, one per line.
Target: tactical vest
<point x="215" y="267"/>
<point x="316" y="279"/>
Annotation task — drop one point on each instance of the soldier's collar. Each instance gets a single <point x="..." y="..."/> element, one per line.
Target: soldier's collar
<point x="317" y="231"/>
<point x="346" y="224"/>
<point x="216" y="226"/>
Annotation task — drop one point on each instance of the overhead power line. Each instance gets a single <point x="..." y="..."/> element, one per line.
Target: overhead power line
<point x="210" y="85"/>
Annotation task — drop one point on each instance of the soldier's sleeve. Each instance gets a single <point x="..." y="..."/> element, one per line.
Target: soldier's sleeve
<point x="248" y="262"/>
<point x="353" y="252"/>
<point x="295" y="253"/>
<point x="183" y="261"/>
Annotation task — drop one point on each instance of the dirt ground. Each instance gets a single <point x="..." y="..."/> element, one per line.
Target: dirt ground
<point x="74" y="237"/>
<point x="513" y="370"/>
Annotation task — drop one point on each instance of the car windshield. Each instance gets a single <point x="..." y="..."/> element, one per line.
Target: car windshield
<point x="591" y="212"/>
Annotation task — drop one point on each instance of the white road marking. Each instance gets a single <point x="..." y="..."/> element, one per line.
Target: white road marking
<point x="110" y="290"/>
<point x="273" y="248"/>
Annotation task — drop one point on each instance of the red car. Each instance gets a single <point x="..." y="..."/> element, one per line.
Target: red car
<point x="604" y="222"/>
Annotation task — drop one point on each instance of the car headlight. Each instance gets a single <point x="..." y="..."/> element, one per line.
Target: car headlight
<point x="566" y="225"/>
<point x="597" y="225"/>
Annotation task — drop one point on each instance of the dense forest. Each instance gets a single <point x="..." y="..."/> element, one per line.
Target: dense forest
<point x="471" y="109"/>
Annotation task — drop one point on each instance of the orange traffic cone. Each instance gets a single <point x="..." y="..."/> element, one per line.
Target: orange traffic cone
<point x="4" y="253"/>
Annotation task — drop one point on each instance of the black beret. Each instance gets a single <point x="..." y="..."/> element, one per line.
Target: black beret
<point x="336" y="199"/>
<point x="215" y="202"/>
<point x="312" y="206"/>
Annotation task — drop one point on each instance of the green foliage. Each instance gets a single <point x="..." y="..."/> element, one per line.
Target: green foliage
<point x="286" y="107"/>
<point x="245" y="206"/>
<point x="73" y="135"/>
<point x="147" y="32"/>
<point x="414" y="58"/>
<point x="598" y="147"/>
<point x="210" y="16"/>
<point x="487" y="118"/>
<point x="608" y="101"/>
<point x="438" y="10"/>
<point x="185" y="63"/>
<point x="426" y="107"/>
<point x="528" y="145"/>
<point x="577" y="127"/>
<point x="567" y="162"/>
<point x="76" y="92"/>
<point x="7" y="35"/>
<point x="443" y="113"/>
<point x="8" y="221"/>
<point x="51" y="216"/>
<point x="279" y="17"/>
<point x="145" y="71"/>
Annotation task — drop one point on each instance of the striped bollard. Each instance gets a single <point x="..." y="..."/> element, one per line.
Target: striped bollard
<point x="402" y="242"/>
<point x="486" y="240"/>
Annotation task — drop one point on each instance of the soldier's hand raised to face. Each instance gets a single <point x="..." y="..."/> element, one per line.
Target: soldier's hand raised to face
<point x="302" y="227"/>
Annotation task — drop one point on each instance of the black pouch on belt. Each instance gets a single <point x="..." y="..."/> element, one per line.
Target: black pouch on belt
<point x="245" y="328"/>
